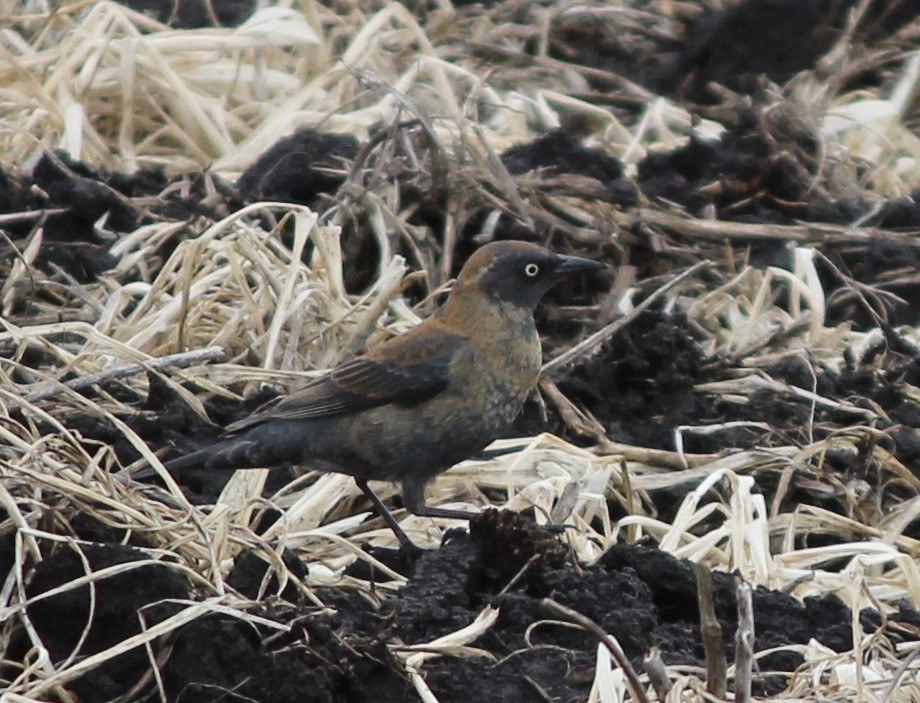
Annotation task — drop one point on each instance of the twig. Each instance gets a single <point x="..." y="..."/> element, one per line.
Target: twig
<point x="609" y="642"/>
<point x="636" y="91"/>
<point x="608" y="331"/>
<point x="517" y="577"/>
<point x="181" y="361"/>
<point x="657" y="457"/>
<point x="15" y="218"/>
<point x="899" y="673"/>
<point x="657" y="674"/>
<point x="571" y="415"/>
<point x="744" y="643"/>
<point x="711" y="629"/>
<point x="539" y="690"/>
<point x="810" y="233"/>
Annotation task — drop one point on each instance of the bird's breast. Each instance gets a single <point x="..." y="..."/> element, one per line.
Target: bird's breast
<point x="499" y="374"/>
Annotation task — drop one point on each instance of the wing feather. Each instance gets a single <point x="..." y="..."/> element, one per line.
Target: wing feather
<point x="404" y="371"/>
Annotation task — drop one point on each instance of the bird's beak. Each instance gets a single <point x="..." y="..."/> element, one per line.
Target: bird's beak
<point x="569" y="265"/>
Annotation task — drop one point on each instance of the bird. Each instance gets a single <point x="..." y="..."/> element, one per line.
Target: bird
<point x="419" y="403"/>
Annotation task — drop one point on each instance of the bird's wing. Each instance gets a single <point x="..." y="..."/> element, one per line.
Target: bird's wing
<point x="404" y="371"/>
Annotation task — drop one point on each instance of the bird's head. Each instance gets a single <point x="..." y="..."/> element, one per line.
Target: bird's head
<point x="518" y="273"/>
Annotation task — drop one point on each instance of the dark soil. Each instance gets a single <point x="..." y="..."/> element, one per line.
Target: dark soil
<point x="642" y="596"/>
<point x="734" y="48"/>
<point x="640" y="386"/>
<point x="189" y="14"/>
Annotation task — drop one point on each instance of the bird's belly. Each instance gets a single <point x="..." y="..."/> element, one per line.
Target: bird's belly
<point x="393" y="442"/>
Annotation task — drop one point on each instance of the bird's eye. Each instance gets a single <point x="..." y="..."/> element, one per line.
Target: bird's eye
<point x="531" y="270"/>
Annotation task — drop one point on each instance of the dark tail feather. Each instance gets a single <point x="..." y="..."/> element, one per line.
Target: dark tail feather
<point x="228" y="455"/>
<point x="191" y="462"/>
<point x="265" y="446"/>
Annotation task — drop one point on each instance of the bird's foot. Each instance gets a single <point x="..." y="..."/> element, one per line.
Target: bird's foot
<point x="406" y="545"/>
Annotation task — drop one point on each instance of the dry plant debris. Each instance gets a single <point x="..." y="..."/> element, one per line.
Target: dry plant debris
<point x="200" y="203"/>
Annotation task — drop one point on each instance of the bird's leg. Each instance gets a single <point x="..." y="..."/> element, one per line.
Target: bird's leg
<point x="414" y="500"/>
<point x="404" y="542"/>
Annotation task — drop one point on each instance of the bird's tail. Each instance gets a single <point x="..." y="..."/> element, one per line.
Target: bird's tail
<point x="190" y="462"/>
<point x="228" y="455"/>
<point x="265" y="446"/>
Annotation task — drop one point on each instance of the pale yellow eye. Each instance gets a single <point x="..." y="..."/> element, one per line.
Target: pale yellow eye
<point x="531" y="270"/>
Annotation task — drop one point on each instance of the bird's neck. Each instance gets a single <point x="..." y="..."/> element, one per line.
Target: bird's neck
<point x="505" y="335"/>
<point x="493" y="323"/>
<point x="468" y="310"/>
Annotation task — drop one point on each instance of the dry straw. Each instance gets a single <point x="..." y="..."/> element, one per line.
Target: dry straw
<point x="121" y="91"/>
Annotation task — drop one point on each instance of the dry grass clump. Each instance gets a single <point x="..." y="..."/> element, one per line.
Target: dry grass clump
<point x="120" y="91"/>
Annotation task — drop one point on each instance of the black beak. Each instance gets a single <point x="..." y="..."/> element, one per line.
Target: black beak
<point x="570" y="265"/>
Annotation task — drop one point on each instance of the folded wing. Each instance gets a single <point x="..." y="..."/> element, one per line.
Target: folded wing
<point x="405" y="371"/>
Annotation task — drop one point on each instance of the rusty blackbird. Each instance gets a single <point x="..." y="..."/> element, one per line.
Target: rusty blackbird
<point x="421" y="402"/>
